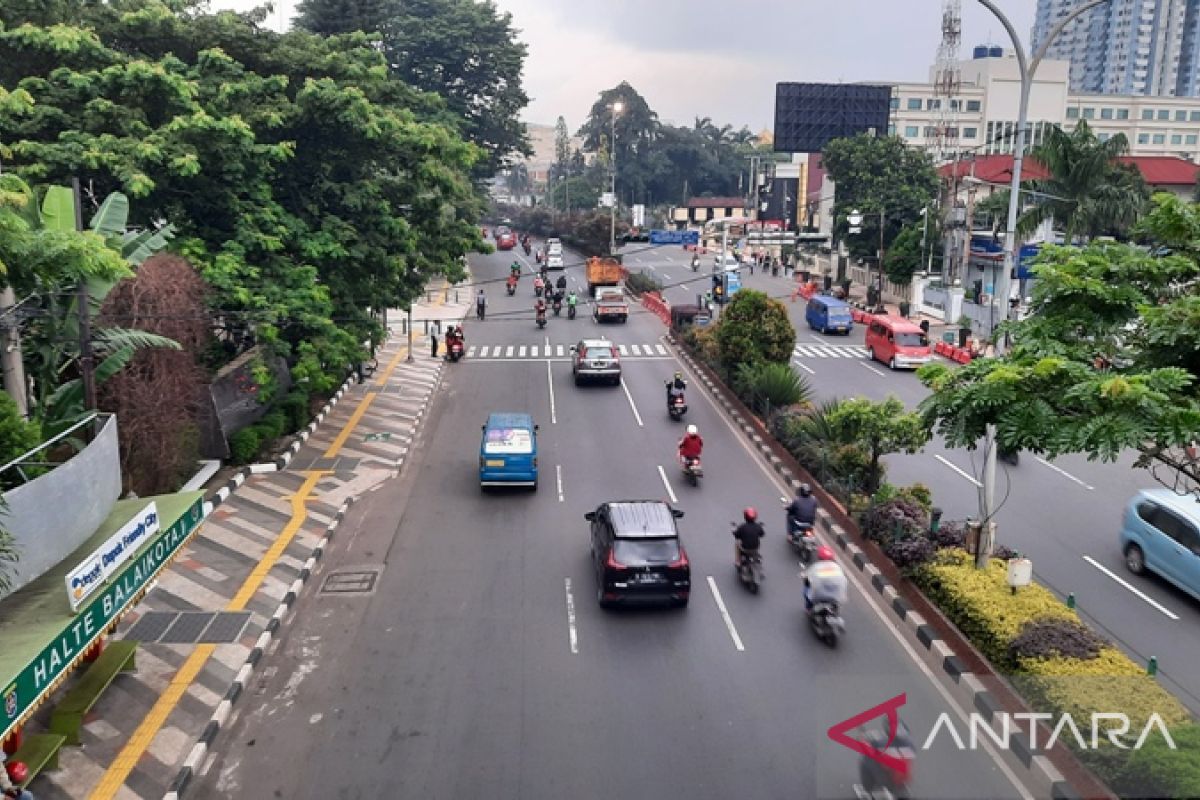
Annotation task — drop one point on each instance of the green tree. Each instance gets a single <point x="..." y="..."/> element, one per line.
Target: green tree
<point x="1101" y="365"/>
<point x="754" y="329"/>
<point x="562" y="150"/>
<point x="465" y="51"/>
<point x="907" y="256"/>
<point x="879" y="429"/>
<point x="878" y="174"/>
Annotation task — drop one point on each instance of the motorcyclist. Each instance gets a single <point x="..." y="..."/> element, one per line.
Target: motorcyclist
<point x="572" y="300"/>
<point x="675" y="387"/>
<point x="512" y="283"/>
<point x="824" y="581"/>
<point x="691" y="445"/>
<point x="480" y="304"/>
<point x="803" y="509"/>
<point x="561" y="283"/>
<point x="539" y="308"/>
<point x="538" y="285"/>
<point x="515" y="268"/>
<point x="747" y="536"/>
<point x="695" y="262"/>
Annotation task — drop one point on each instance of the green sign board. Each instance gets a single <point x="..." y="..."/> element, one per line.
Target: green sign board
<point x="90" y="623"/>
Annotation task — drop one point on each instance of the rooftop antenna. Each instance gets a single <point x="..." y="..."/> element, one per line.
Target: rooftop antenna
<point x="947" y="81"/>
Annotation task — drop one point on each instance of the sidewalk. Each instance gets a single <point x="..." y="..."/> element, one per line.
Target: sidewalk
<point x="248" y="560"/>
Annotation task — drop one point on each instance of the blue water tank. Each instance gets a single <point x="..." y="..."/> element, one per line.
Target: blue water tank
<point x="981" y="51"/>
<point x="996" y="52"/>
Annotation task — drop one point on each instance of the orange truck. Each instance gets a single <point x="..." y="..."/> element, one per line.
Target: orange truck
<point x="603" y="272"/>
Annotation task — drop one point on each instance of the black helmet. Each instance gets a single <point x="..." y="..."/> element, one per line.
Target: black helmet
<point x="805" y="490"/>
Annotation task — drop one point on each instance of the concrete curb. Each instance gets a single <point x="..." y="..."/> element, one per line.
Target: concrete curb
<point x="191" y="766"/>
<point x="1035" y="770"/>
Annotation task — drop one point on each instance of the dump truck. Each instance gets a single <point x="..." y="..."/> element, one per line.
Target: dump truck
<point x="603" y="272"/>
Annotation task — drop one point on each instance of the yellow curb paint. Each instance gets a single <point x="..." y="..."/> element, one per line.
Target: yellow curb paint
<point x="401" y="354"/>
<point x="117" y="773"/>
<point x="350" y="425"/>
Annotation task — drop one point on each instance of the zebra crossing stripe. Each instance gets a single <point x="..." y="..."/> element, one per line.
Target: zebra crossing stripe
<point x="622" y="350"/>
<point x="637" y="351"/>
<point x="521" y="352"/>
<point x="662" y="351"/>
<point x="559" y="351"/>
<point x="483" y="351"/>
<point x="509" y="352"/>
<point x="533" y="351"/>
<point x="471" y="352"/>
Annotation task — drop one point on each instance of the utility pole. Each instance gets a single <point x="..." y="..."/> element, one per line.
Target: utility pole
<point x="87" y="364"/>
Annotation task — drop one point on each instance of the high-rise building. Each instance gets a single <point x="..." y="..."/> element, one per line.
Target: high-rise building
<point x="1131" y="47"/>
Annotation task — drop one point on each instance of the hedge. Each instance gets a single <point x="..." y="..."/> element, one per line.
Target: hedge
<point x="1158" y="771"/>
<point x="244" y="445"/>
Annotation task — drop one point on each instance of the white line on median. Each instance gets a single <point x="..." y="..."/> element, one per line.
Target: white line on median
<point x="1064" y="473"/>
<point x="671" y="492"/>
<point x="1130" y="587"/>
<point x="804" y="366"/>
<point x="959" y="471"/>
<point x="636" y="415"/>
<point x="716" y="593"/>
<point x="865" y="365"/>
<point x="558" y="477"/>
<point x="574" y="637"/>
<point x="550" y="383"/>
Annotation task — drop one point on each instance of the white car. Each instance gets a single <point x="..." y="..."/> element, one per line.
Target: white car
<point x="554" y="261"/>
<point x="725" y="262"/>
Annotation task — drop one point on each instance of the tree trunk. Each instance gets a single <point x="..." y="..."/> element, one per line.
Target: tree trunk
<point x="10" y="352"/>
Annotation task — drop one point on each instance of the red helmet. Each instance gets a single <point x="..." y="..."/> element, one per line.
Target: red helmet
<point x="824" y="553"/>
<point x="750" y="514"/>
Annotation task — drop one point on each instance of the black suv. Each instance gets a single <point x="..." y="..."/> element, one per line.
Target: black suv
<point x="637" y="554"/>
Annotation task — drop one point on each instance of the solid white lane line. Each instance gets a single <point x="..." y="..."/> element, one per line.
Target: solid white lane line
<point x="509" y="352"/>
<point x="1130" y="587"/>
<point x="865" y="365"/>
<point x="571" y="633"/>
<point x="1064" y="473"/>
<point x="803" y="366"/>
<point x="959" y="471"/>
<point x="662" y="473"/>
<point x="733" y="634"/>
<point x="547" y="344"/>
<point x="636" y="415"/>
<point x="558" y="478"/>
<point x="550" y="383"/>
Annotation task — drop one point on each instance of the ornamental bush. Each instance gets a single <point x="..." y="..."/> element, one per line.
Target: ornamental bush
<point x="754" y="328"/>
<point x="1158" y="771"/>
<point x="981" y="604"/>
<point x="900" y="517"/>
<point x="1051" y="637"/>
<point x="950" y="534"/>
<point x="909" y="552"/>
<point x="244" y="445"/>
<point x="17" y="436"/>
<point x="640" y="282"/>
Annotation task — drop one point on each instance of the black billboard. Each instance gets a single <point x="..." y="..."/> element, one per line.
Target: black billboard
<point x="808" y="115"/>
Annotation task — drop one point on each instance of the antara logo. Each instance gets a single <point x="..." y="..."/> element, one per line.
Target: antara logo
<point x="888" y="707"/>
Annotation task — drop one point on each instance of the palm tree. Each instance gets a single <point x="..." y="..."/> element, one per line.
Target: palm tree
<point x="1088" y="192"/>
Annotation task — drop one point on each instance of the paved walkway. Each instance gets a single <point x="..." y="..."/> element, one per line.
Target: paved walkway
<point x="246" y="557"/>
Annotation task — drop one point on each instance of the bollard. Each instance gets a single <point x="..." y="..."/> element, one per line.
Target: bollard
<point x="426" y="323"/>
<point x="1152" y="666"/>
<point x="456" y="295"/>
<point x="1071" y="600"/>
<point x="446" y="296"/>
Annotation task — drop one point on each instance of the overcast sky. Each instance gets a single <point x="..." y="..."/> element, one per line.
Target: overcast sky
<point x="719" y="59"/>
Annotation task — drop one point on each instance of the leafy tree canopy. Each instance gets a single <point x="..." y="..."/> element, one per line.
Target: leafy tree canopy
<point x="1107" y="360"/>
<point x="878" y="174"/>
<point x="466" y="51"/>
<point x="754" y="328"/>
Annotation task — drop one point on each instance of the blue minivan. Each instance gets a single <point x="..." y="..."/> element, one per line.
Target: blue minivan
<point x="1161" y="533"/>
<point x="508" y="452"/>
<point x="826" y="314"/>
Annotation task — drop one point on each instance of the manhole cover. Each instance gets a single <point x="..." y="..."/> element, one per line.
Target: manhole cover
<point x="357" y="581"/>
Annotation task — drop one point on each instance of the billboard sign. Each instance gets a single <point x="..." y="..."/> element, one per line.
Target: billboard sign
<point x="674" y="237"/>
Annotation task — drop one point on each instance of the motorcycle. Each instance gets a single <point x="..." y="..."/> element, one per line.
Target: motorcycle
<point x="570" y="311"/>
<point x="692" y="470"/>
<point x="750" y="570"/>
<point x="801" y="537"/>
<point x="540" y="256"/>
<point x="541" y="319"/>
<point x="512" y="288"/>
<point x="891" y="779"/>
<point x="537" y="289"/>
<point x="455" y="350"/>
<point x="557" y="306"/>
<point x="826" y="622"/>
<point x="677" y="406"/>
<point x="528" y="249"/>
<point x="695" y="265"/>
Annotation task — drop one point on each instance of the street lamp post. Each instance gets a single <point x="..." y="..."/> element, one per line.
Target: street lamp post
<point x="616" y="107"/>
<point x="1002" y="290"/>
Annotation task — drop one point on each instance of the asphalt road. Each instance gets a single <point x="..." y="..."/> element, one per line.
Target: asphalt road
<point x="481" y="665"/>
<point x="1064" y="515"/>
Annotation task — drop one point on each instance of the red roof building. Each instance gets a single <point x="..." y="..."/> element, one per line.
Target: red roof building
<point x="992" y="169"/>
<point x="1161" y="173"/>
<point x="1168" y="173"/>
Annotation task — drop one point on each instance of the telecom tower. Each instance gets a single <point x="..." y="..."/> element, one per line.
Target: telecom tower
<point x="946" y="82"/>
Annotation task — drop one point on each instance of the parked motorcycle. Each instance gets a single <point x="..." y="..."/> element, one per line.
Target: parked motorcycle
<point x="677" y="406"/>
<point x="826" y="622"/>
<point x="692" y="470"/>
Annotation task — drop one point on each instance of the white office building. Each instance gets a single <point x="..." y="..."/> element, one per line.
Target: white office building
<point x="987" y="104"/>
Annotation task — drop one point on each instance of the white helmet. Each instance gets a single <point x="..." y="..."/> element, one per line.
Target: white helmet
<point x="692" y="430"/>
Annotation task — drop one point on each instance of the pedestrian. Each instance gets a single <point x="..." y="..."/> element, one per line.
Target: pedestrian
<point x="433" y="344"/>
